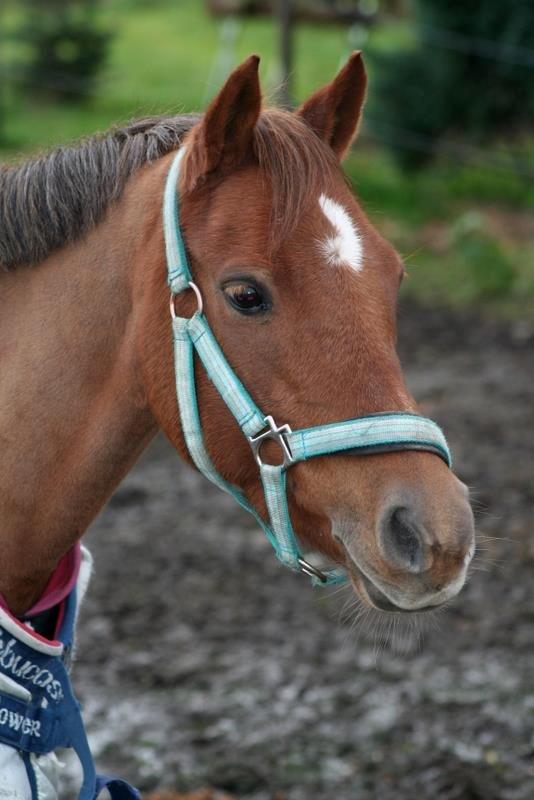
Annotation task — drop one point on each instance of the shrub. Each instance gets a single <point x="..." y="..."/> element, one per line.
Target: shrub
<point x="67" y="48"/>
<point x="470" y="73"/>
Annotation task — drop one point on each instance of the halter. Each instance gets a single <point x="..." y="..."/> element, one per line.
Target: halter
<point x="382" y="432"/>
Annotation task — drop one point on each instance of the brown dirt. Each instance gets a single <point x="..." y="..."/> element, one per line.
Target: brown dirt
<point x="204" y="663"/>
<point x="202" y="794"/>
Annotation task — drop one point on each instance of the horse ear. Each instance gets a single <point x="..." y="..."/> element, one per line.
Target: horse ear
<point x="224" y="135"/>
<point x="334" y="111"/>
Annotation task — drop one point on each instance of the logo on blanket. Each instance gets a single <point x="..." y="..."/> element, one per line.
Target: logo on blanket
<point x="18" y="666"/>
<point x="18" y="722"/>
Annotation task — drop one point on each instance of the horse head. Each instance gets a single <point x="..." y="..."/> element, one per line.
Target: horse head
<point x="300" y="290"/>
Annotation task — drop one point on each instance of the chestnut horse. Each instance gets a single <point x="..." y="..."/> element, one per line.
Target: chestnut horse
<point x="300" y="291"/>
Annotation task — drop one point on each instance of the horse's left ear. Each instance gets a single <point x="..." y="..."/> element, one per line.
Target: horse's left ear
<point x="334" y="111"/>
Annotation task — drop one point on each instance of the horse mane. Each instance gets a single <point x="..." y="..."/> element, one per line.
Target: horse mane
<point x="53" y="199"/>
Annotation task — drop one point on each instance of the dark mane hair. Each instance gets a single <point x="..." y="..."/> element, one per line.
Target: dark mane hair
<point x="53" y="199"/>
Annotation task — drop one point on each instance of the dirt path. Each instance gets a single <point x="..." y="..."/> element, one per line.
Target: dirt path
<point x="202" y="662"/>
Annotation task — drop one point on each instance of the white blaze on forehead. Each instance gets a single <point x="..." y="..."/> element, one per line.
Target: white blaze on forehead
<point x="344" y="246"/>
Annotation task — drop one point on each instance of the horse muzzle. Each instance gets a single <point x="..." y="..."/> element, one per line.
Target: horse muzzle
<point x="417" y="559"/>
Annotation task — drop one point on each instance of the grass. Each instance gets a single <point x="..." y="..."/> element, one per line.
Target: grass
<point x="466" y="233"/>
<point x="164" y="58"/>
<point x="464" y="229"/>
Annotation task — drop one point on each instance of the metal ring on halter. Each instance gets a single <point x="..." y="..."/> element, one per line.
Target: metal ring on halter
<point x="198" y="295"/>
<point x="311" y="571"/>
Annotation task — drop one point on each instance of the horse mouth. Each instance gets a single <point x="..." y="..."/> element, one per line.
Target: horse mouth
<point x="375" y="597"/>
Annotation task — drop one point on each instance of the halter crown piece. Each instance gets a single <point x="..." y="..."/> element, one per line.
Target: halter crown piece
<point x="368" y="434"/>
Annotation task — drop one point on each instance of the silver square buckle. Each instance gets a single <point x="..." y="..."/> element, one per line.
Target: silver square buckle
<point x="277" y="434"/>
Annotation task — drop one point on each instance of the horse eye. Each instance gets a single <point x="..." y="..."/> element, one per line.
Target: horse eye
<point x="247" y="298"/>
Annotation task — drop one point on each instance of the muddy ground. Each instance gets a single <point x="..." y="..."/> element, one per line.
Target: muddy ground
<point x="203" y="662"/>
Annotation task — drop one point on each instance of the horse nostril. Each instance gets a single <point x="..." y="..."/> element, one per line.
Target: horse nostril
<point x="402" y="542"/>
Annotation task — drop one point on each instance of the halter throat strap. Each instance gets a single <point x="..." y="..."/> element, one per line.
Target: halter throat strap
<point x="361" y="435"/>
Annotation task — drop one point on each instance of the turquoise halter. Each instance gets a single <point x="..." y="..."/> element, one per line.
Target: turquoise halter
<point x="369" y="434"/>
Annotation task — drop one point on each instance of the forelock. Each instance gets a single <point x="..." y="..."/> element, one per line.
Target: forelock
<point x="296" y="163"/>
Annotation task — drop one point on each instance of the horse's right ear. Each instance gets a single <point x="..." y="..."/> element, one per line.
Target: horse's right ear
<point x="224" y="136"/>
<point x="334" y="111"/>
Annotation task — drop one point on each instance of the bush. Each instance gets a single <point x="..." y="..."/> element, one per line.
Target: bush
<point x="469" y="73"/>
<point x="67" y="48"/>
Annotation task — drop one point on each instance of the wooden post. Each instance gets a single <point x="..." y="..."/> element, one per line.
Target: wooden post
<point x="3" y="77"/>
<point x="284" y="12"/>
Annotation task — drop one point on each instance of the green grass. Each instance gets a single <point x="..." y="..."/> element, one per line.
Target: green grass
<point x="466" y="233"/>
<point x="463" y="229"/>
<point x="164" y="59"/>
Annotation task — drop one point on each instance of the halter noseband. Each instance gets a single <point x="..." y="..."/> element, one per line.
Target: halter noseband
<point x="373" y="433"/>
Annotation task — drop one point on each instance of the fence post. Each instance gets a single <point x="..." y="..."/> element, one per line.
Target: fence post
<point x="3" y="76"/>
<point x="284" y="13"/>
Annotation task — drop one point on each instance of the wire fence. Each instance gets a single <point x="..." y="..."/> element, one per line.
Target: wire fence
<point x="468" y="154"/>
<point x="490" y="49"/>
<point x="381" y="132"/>
<point x="498" y="50"/>
<point x="374" y="129"/>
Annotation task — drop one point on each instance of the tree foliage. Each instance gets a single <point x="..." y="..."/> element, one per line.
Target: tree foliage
<point x="469" y="73"/>
<point x="66" y="47"/>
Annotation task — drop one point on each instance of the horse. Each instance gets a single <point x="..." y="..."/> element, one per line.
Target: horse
<point x="300" y="290"/>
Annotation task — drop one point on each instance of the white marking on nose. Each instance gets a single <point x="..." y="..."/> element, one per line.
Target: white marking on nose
<point x="344" y="247"/>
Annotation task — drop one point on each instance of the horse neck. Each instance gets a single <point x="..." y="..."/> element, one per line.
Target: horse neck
<point x="73" y="413"/>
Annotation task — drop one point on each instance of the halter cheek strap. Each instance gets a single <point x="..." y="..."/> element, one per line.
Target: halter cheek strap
<point x="361" y="435"/>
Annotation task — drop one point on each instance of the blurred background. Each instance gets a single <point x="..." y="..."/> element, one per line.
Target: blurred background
<point x="201" y="662"/>
<point x="446" y="155"/>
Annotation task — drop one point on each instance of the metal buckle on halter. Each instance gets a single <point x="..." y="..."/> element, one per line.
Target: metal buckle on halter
<point x="277" y="434"/>
<point x="311" y="571"/>
<point x="198" y="295"/>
